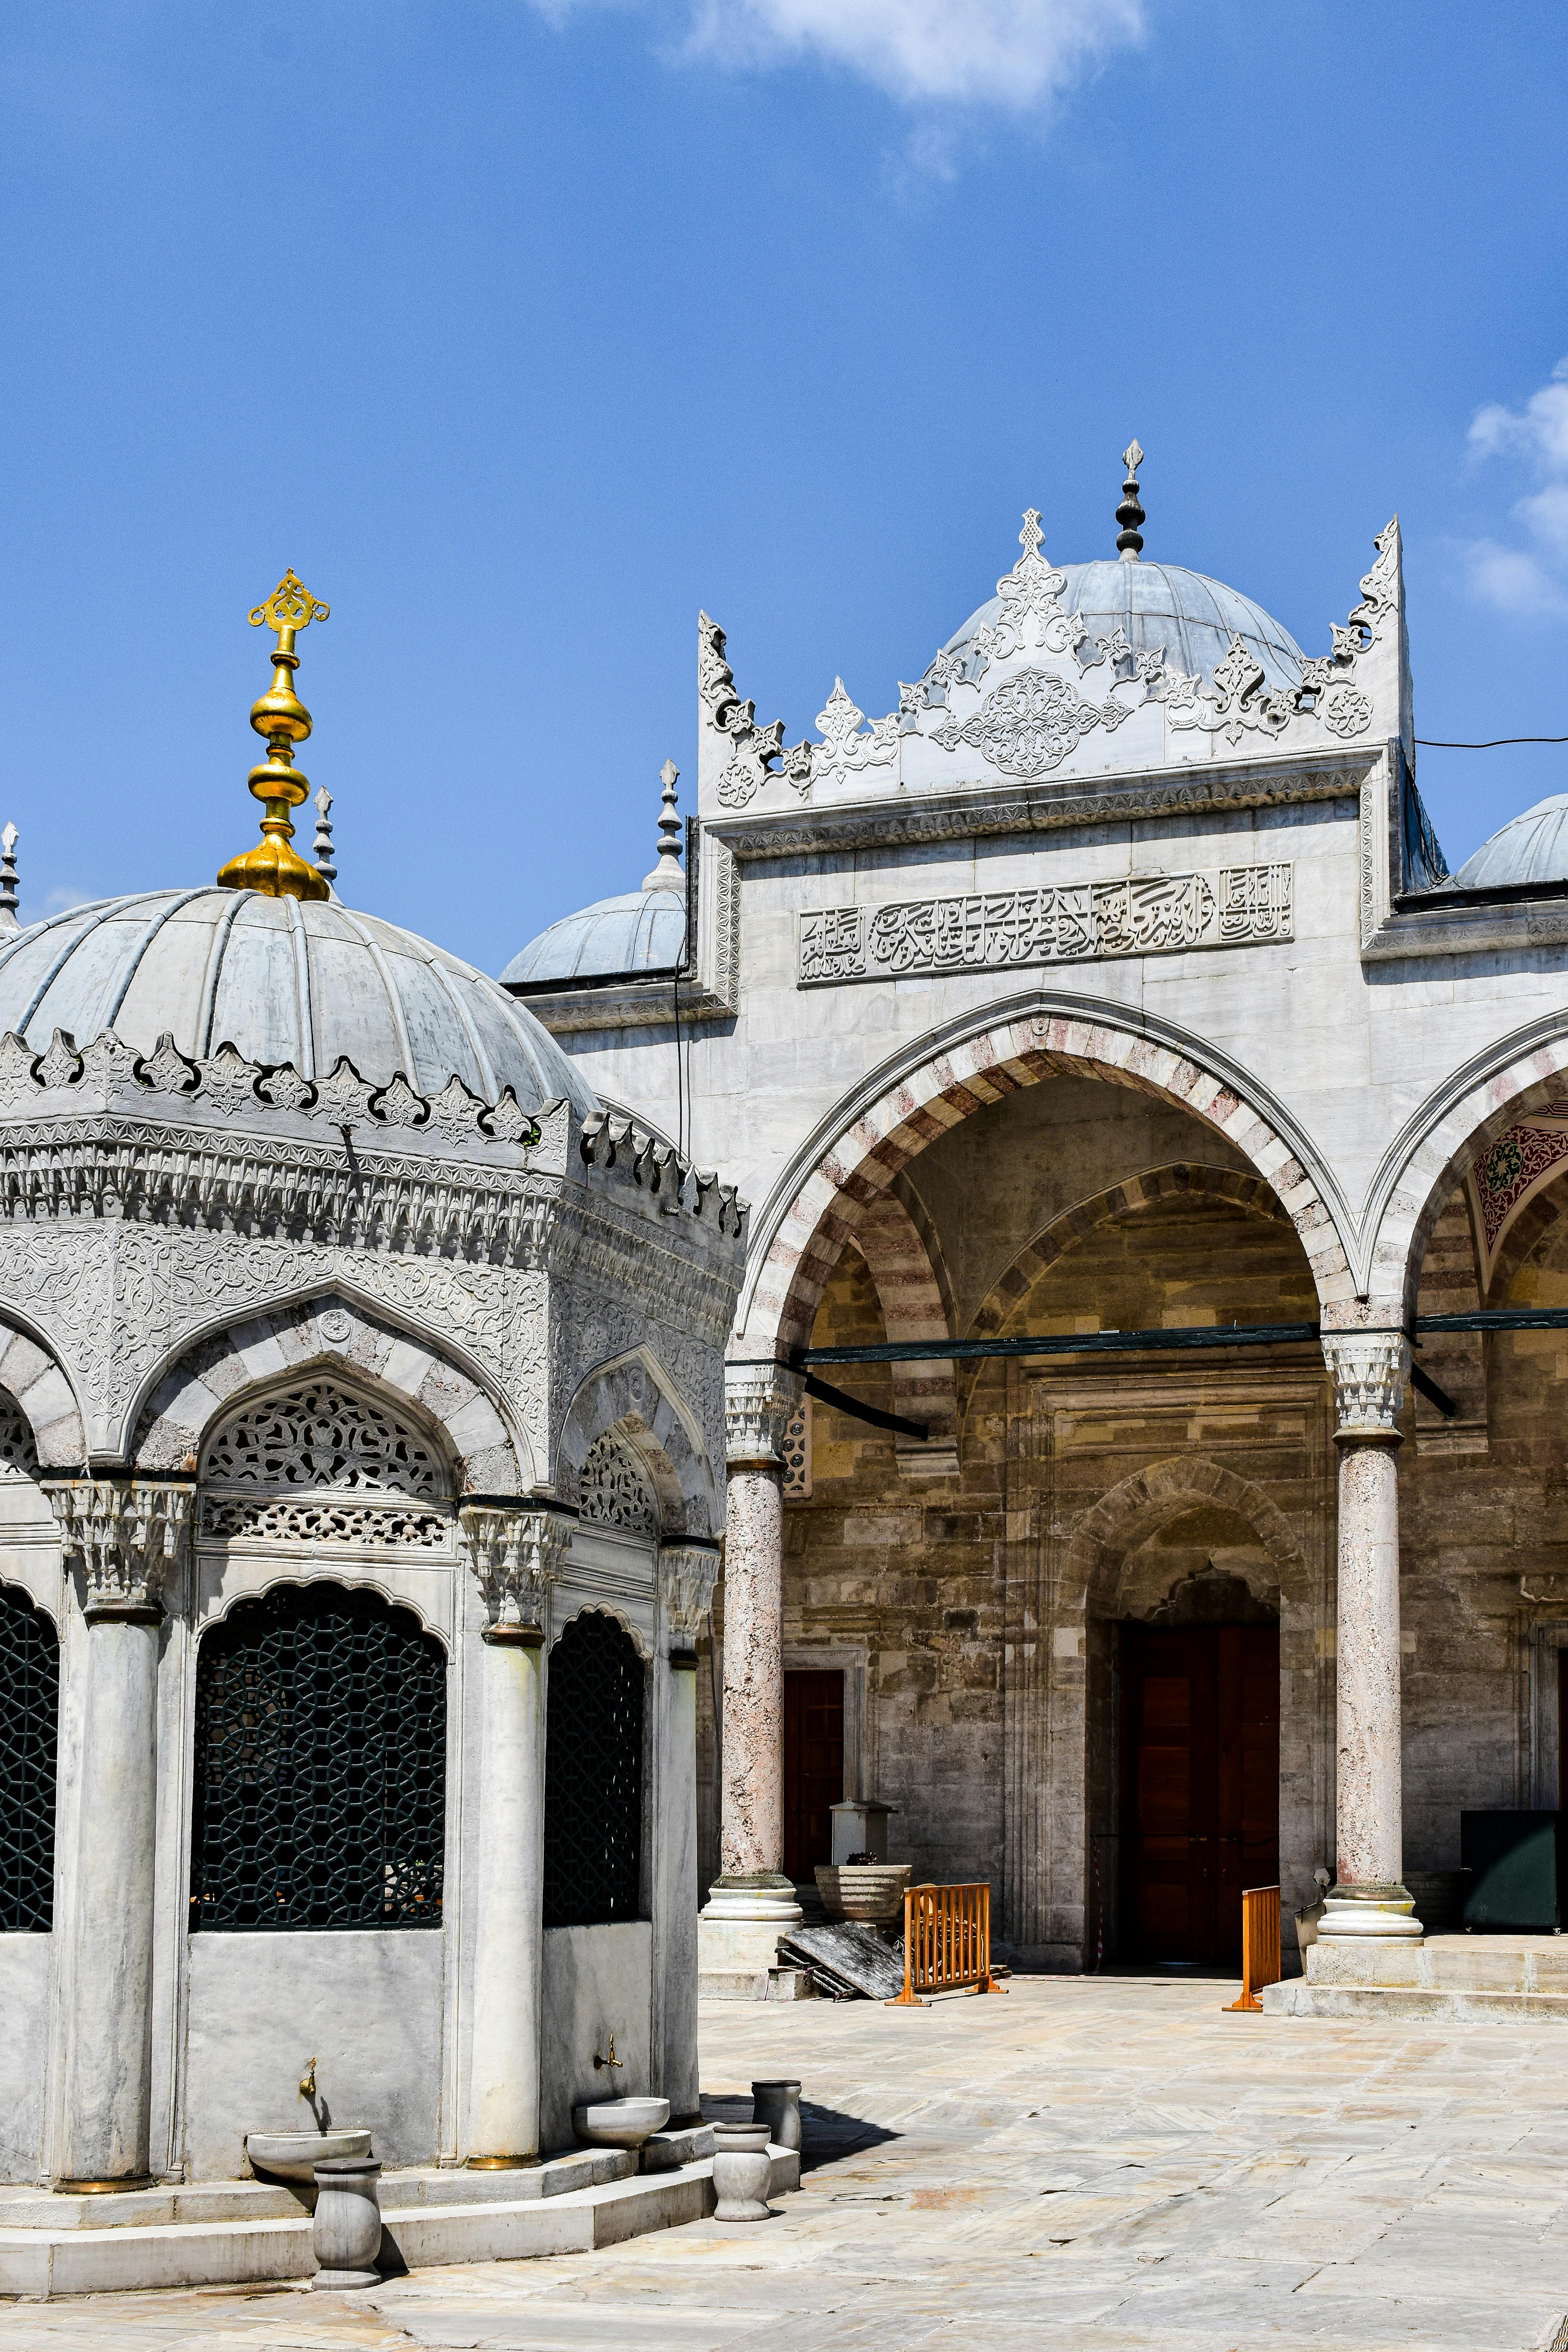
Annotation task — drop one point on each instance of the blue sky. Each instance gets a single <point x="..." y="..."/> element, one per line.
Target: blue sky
<point x="521" y="332"/>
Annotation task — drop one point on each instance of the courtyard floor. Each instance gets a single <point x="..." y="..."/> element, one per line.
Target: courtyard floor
<point x="1110" y="2159"/>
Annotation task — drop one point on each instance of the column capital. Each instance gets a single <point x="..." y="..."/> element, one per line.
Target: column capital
<point x="759" y="1402"/>
<point x="128" y="1534"/>
<point x="686" y="1575"/>
<point x="516" y="1552"/>
<point x="1370" y="1370"/>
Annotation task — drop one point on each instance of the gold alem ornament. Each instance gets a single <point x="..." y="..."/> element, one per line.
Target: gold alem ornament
<point x="281" y="718"/>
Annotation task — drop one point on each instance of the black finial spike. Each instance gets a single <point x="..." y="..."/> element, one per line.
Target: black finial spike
<point x="1129" y="514"/>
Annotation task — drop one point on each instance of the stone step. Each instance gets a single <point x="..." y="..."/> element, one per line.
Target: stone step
<point x="1456" y="1976"/>
<point x="1300" y="1999"/>
<point x="51" y="2260"/>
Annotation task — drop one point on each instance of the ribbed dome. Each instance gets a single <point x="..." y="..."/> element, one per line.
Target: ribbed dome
<point x="1165" y="608"/>
<point x="1529" y="848"/>
<point x="642" y="930"/>
<point x="284" y="981"/>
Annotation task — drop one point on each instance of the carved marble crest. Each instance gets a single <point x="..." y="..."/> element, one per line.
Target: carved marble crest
<point x="1028" y="726"/>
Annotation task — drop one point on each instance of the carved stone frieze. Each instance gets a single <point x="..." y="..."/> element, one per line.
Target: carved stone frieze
<point x="1031" y="722"/>
<point x="1370" y="1370"/>
<point x="516" y="1555"/>
<point x="127" y="1534"/>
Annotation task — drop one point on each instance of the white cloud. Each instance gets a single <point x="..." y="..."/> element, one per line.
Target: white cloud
<point x="1010" y="54"/>
<point x="64" y="896"/>
<point x="1531" y="577"/>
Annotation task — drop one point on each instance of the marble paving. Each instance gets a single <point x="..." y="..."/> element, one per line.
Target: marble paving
<point x="1114" y="2160"/>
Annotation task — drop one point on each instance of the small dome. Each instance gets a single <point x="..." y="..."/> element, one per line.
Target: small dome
<point x="283" y="981"/>
<point x="642" y="930"/>
<point x="1162" y="607"/>
<point x="1529" y="848"/>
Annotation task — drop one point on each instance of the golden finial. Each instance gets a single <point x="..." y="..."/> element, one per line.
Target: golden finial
<point x="283" y="720"/>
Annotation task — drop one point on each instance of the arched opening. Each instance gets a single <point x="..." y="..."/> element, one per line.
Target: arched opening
<point x="594" y="1777"/>
<point x="321" y="1765"/>
<point x="30" y="1741"/>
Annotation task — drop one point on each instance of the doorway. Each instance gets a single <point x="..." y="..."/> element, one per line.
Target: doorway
<point x="1199" y="1785"/>
<point x="813" y="1767"/>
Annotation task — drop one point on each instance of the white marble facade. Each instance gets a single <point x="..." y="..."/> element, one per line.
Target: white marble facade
<point x="1120" y="829"/>
<point x="390" y="1316"/>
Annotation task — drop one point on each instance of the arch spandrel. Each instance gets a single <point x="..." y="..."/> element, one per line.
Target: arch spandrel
<point x="855" y="1155"/>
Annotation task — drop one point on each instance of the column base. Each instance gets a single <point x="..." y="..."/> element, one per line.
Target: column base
<point x="739" y="1929"/>
<point x="1356" y="1911"/>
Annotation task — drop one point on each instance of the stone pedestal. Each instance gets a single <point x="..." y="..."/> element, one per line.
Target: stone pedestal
<point x="122" y="1537"/>
<point x="514" y="1555"/>
<point x="1369" y="1370"/>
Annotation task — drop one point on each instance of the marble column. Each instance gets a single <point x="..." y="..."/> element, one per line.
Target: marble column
<point x="123" y="1537"/>
<point x="753" y="1900"/>
<point x="1369" y="1370"/>
<point x="515" y="1555"/>
<point x="687" y="1573"/>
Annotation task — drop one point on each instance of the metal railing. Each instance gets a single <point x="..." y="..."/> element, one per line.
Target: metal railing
<point x="1259" y="1944"/>
<point x="947" y="1943"/>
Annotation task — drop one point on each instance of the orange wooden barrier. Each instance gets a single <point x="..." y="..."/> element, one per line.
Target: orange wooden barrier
<point x="1259" y="1944"/>
<point x="947" y="1943"/>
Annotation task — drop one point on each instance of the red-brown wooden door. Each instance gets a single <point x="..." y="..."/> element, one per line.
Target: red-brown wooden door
<point x="813" y="1767"/>
<point x="1200" y="1783"/>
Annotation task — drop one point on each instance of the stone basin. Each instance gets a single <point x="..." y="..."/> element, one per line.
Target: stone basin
<point x="620" y="2122"/>
<point x="294" y="2155"/>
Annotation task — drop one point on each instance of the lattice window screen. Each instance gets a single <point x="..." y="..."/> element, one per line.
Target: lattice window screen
<point x="312" y="1465"/>
<point x="321" y="1765"/>
<point x="592" y="1776"/>
<point x="30" y="1736"/>
<point x="614" y="1491"/>
<point x="796" y="1451"/>
<point x="18" y="1455"/>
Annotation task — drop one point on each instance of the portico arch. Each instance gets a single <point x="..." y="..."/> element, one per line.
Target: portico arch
<point x="860" y="1149"/>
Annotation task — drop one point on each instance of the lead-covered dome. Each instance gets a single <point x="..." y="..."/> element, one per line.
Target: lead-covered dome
<point x="1163" y="608"/>
<point x="1529" y="848"/>
<point x="283" y="980"/>
<point x="640" y="933"/>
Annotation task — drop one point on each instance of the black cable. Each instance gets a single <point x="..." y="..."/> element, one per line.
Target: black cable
<point x="1430" y="743"/>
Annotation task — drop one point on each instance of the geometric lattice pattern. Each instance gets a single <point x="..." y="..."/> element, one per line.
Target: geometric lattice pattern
<point x="29" y="1736"/>
<point x="321" y="1765"/>
<point x="319" y="1435"/>
<point x="280" y="1517"/>
<point x="613" y="1490"/>
<point x="592" y="1776"/>
<point x="795" y="1449"/>
<point x="18" y="1455"/>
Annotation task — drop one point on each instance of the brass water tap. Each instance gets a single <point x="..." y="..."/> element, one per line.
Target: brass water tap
<point x="610" y="2060"/>
<point x="307" y="2082"/>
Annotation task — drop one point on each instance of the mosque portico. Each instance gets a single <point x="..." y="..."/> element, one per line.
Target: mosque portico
<point x="1113" y="988"/>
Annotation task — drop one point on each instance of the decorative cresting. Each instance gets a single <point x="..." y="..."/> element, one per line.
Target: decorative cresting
<point x="688" y="1573"/>
<point x="283" y="719"/>
<point x="594" y="1775"/>
<point x="515" y="1554"/>
<point x="127" y="1534"/>
<point x="857" y="1164"/>
<point x="613" y="1490"/>
<point x="29" y="1739"/>
<point x="321" y="1765"/>
<point x="321" y="1464"/>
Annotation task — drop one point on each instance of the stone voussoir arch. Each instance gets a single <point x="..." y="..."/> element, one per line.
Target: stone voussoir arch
<point x="1437" y="1145"/>
<point x="1147" y="1499"/>
<point x="42" y="1392"/>
<point x="335" y="1335"/>
<point x="634" y="1397"/>
<point x="967" y="1075"/>
<point x="634" y="1633"/>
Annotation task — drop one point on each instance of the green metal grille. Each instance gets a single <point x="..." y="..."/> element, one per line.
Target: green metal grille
<point x="321" y="1765"/>
<point x="30" y="1736"/>
<point x="593" y="1777"/>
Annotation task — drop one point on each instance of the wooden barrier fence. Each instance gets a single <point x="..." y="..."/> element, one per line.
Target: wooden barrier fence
<point x="947" y="1943"/>
<point x="1259" y="1944"/>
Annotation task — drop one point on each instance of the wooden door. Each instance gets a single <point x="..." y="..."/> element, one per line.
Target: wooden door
<point x="813" y="1767"/>
<point x="1200" y="1780"/>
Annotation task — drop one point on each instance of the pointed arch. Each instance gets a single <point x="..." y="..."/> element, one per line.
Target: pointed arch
<point x="635" y="1396"/>
<point x="1149" y="1499"/>
<point x="43" y="1394"/>
<point x="851" y="1162"/>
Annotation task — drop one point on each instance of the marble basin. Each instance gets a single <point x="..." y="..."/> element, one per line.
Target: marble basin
<point x="294" y="2155"/>
<point x="619" y="2123"/>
